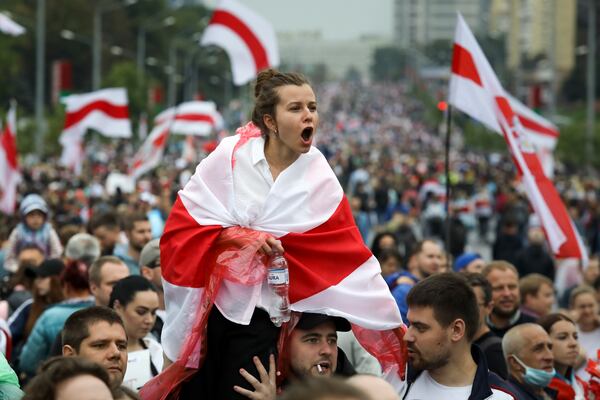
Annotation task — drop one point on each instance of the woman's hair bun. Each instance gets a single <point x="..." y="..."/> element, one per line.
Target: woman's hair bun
<point x="262" y="78"/>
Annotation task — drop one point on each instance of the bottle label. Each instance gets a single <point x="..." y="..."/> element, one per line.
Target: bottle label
<point x="278" y="277"/>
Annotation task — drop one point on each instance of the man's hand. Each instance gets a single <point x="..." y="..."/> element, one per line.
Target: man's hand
<point x="265" y="389"/>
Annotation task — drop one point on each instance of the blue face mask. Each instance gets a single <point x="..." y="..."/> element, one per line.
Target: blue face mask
<point x="534" y="376"/>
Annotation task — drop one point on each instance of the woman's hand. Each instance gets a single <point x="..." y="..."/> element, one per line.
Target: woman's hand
<point x="265" y="389"/>
<point x="270" y="245"/>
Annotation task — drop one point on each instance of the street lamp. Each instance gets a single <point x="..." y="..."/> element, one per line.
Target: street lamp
<point x="97" y="41"/>
<point x="141" y="40"/>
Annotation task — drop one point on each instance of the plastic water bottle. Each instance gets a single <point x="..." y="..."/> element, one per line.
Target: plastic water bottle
<point x="279" y="283"/>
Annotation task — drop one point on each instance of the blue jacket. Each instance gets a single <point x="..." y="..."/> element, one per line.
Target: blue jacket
<point x="400" y="291"/>
<point x="121" y="252"/>
<point x="44" y="332"/>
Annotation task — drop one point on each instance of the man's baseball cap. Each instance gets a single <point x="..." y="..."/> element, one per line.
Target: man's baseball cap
<point x="311" y="320"/>
<point x="150" y="253"/>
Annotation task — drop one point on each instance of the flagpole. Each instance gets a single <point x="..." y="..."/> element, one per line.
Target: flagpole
<point x="447" y="172"/>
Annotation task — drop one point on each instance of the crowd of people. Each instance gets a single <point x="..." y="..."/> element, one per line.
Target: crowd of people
<point x="489" y="312"/>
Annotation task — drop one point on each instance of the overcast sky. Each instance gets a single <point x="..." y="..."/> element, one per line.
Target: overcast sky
<point x="336" y="19"/>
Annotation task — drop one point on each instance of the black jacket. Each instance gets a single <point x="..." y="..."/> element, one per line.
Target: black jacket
<point x="524" y="392"/>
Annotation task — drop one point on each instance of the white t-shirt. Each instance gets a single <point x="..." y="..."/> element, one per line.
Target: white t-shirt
<point x="590" y="343"/>
<point x="426" y="388"/>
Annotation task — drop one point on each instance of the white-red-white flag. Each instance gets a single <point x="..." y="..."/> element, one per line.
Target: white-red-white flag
<point x="331" y="270"/>
<point x="105" y="110"/>
<point x="151" y="152"/>
<point x="9" y="167"/>
<point x="248" y="39"/>
<point x="474" y="80"/>
<point x="9" y="26"/>
<point x="197" y="118"/>
<point x="473" y="100"/>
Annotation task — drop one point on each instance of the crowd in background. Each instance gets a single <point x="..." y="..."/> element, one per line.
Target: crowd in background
<point x="389" y="159"/>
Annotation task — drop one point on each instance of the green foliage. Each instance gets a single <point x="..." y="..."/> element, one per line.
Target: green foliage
<point x="389" y="64"/>
<point x="572" y="142"/>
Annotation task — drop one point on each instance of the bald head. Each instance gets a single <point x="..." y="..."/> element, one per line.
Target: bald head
<point x="517" y="337"/>
<point x="375" y="387"/>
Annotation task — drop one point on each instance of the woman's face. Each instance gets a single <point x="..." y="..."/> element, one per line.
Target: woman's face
<point x="565" y="345"/>
<point x="586" y="306"/>
<point x="42" y="285"/>
<point x="389" y="266"/>
<point x="139" y="315"/>
<point x="296" y="118"/>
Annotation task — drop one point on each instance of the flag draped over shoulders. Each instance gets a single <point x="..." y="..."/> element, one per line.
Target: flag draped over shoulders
<point x="331" y="270"/>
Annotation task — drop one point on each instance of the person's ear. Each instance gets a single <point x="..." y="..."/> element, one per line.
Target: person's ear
<point x="146" y="273"/>
<point x="117" y="306"/>
<point x="457" y="330"/>
<point x="93" y="288"/>
<point x="68" y="351"/>
<point x="514" y="365"/>
<point x="269" y="122"/>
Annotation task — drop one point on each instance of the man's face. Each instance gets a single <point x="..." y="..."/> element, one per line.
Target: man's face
<point x="536" y="351"/>
<point x="429" y="259"/>
<point x="505" y="292"/>
<point x="106" y="345"/>
<point x="312" y="348"/>
<point x="107" y="235"/>
<point x="110" y="273"/>
<point x="140" y="234"/>
<point x="428" y="342"/>
<point x="541" y="303"/>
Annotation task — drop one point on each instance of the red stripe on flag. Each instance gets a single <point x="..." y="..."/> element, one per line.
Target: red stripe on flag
<point x="185" y="248"/>
<point x="325" y="255"/>
<point x="160" y="140"/>
<point x="111" y="110"/>
<point x="195" y="118"/>
<point x="537" y="127"/>
<point x="463" y="64"/>
<point x="259" y="54"/>
<point x="9" y="144"/>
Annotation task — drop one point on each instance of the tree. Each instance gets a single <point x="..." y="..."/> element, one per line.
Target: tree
<point x="388" y="64"/>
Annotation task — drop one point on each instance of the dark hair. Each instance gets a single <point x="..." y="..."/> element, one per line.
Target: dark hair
<point x="266" y="96"/>
<point x="75" y="275"/>
<point x="596" y="284"/>
<point x="376" y="246"/>
<point x="385" y="254"/>
<point x="124" y="290"/>
<point x="531" y="284"/>
<point x="418" y="247"/>
<point x="451" y="298"/>
<point x="475" y="279"/>
<point x="130" y="221"/>
<point x="108" y="219"/>
<point x="548" y="321"/>
<point x="95" y="271"/>
<point x="76" y="328"/>
<point x="321" y="389"/>
<point x="59" y="369"/>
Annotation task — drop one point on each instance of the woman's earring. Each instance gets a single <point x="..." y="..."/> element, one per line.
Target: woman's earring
<point x="276" y="133"/>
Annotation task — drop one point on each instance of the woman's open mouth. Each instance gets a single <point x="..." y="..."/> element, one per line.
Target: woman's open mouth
<point x="307" y="134"/>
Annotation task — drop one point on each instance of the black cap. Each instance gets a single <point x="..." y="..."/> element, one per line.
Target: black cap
<point x="51" y="267"/>
<point x="311" y="320"/>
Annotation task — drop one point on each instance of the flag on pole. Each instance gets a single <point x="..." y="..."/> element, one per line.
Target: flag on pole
<point x="151" y="152"/>
<point x="248" y="39"/>
<point x="9" y="167"/>
<point x="471" y="97"/>
<point x="473" y="82"/>
<point x="143" y="127"/>
<point x="105" y="111"/>
<point x="9" y="26"/>
<point x="196" y="118"/>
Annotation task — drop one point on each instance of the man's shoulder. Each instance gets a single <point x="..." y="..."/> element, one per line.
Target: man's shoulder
<point x="500" y="388"/>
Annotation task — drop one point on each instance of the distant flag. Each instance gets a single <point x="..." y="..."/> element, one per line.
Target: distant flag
<point x="9" y="26"/>
<point x="473" y="82"/>
<point x="248" y="38"/>
<point x="197" y="118"/>
<point x="9" y="168"/>
<point x="472" y="99"/>
<point x="105" y="111"/>
<point x="151" y="151"/>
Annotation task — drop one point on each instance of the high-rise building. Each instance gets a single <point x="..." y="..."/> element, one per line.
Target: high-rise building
<point x="425" y="21"/>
